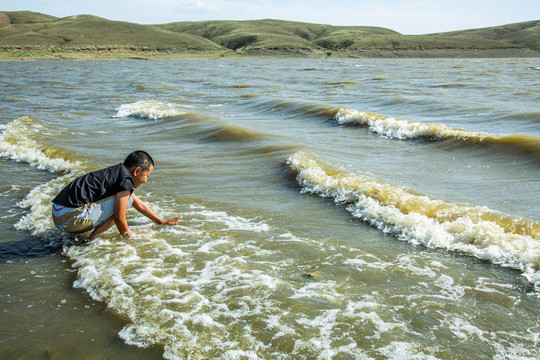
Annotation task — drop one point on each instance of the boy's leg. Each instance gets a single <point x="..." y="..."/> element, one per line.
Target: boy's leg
<point x="98" y="216"/>
<point x="101" y="229"/>
<point x="70" y="219"/>
<point x="102" y="214"/>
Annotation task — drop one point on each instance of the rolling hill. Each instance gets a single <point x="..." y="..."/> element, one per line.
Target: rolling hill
<point x="525" y="34"/>
<point x="33" y="31"/>
<point x="36" y="32"/>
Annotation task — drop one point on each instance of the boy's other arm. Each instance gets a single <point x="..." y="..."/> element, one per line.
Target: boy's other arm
<point x="146" y="211"/>
<point x="120" y="209"/>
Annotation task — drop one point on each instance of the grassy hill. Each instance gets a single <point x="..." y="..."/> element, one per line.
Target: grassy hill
<point x="24" y="17"/>
<point x="24" y="31"/>
<point x="85" y="32"/>
<point x="525" y="34"/>
<point x="275" y="34"/>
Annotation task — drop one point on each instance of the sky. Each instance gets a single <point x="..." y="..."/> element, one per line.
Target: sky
<point x="405" y="16"/>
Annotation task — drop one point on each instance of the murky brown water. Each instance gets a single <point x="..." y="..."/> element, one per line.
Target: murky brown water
<point x="333" y="209"/>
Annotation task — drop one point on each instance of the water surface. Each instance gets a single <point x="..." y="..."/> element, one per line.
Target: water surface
<point x="333" y="209"/>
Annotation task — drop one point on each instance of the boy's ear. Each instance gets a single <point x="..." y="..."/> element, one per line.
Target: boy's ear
<point x="137" y="170"/>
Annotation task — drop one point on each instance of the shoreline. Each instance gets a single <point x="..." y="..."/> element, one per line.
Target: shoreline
<point x="36" y="55"/>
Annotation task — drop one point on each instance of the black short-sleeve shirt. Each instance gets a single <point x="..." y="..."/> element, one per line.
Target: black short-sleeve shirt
<point x="95" y="186"/>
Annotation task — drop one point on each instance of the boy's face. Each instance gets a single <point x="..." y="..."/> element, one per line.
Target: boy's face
<point x="140" y="176"/>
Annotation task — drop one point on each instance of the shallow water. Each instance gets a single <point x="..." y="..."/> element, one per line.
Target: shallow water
<point x="332" y="209"/>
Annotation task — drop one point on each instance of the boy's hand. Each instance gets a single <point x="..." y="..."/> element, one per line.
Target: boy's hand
<point x="173" y="221"/>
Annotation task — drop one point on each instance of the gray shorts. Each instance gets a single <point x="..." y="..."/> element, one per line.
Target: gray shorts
<point x="84" y="218"/>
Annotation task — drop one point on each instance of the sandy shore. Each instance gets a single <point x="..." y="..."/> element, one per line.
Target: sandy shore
<point x="22" y="55"/>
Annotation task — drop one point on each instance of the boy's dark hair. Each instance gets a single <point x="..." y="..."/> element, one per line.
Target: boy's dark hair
<point x="139" y="158"/>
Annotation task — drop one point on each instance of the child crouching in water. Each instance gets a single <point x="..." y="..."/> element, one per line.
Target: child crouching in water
<point x="100" y="199"/>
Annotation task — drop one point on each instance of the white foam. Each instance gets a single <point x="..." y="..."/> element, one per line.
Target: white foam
<point x="407" y="263"/>
<point x="196" y="292"/>
<point x="323" y="328"/>
<point x="381" y="325"/>
<point x="448" y="288"/>
<point x="484" y="284"/>
<point x="138" y="278"/>
<point x="401" y="129"/>
<point x="22" y="140"/>
<point x="275" y="323"/>
<point x="234" y="222"/>
<point x="240" y="355"/>
<point x="513" y="347"/>
<point x="483" y="239"/>
<point x="150" y="109"/>
<point x="38" y="201"/>
<point x="463" y="329"/>
<point x="404" y="351"/>
<point x="320" y="290"/>
<point x="18" y="142"/>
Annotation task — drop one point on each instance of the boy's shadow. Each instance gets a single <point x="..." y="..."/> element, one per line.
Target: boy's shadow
<point x="27" y="248"/>
<point x="49" y="243"/>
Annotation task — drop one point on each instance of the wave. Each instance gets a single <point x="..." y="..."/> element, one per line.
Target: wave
<point x="24" y="140"/>
<point x="397" y="129"/>
<point x="155" y="110"/>
<point x="198" y="126"/>
<point x="233" y="133"/>
<point x="478" y="231"/>
<point x="151" y="109"/>
<point x="199" y="290"/>
<point x="171" y="285"/>
<point x="292" y="108"/>
<point x="151" y="280"/>
<point x="38" y="219"/>
<point x="402" y="129"/>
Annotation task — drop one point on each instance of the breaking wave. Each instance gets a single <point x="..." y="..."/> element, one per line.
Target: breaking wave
<point x="397" y="129"/>
<point x="23" y="140"/>
<point x="151" y="110"/>
<point x="478" y="231"/>
<point x="402" y="129"/>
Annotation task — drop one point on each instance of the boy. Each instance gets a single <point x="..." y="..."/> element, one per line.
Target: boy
<point x="100" y="199"/>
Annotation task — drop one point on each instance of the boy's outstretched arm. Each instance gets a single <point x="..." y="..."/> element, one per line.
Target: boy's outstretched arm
<point x="120" y="209"/>
<point x="144" y="209"/>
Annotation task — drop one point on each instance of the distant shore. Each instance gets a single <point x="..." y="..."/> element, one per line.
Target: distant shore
<point x="26" y="55"/>
<point x="31" y="36"/>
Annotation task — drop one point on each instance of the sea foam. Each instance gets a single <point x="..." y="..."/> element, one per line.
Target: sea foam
<point x="22" y="140"/>
<point x="25" y="140"/>
<point x="478" y="231"/>
<point x="402" y="130"/>
<point x="150" y="109"/>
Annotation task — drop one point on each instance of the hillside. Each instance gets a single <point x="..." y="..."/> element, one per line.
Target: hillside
<point x="277" y="34"/>
<point x="24" y="31"/>
<point x="525" y="34"/>
<point x="86" y="32"/>
<point x="274" y="34"/>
